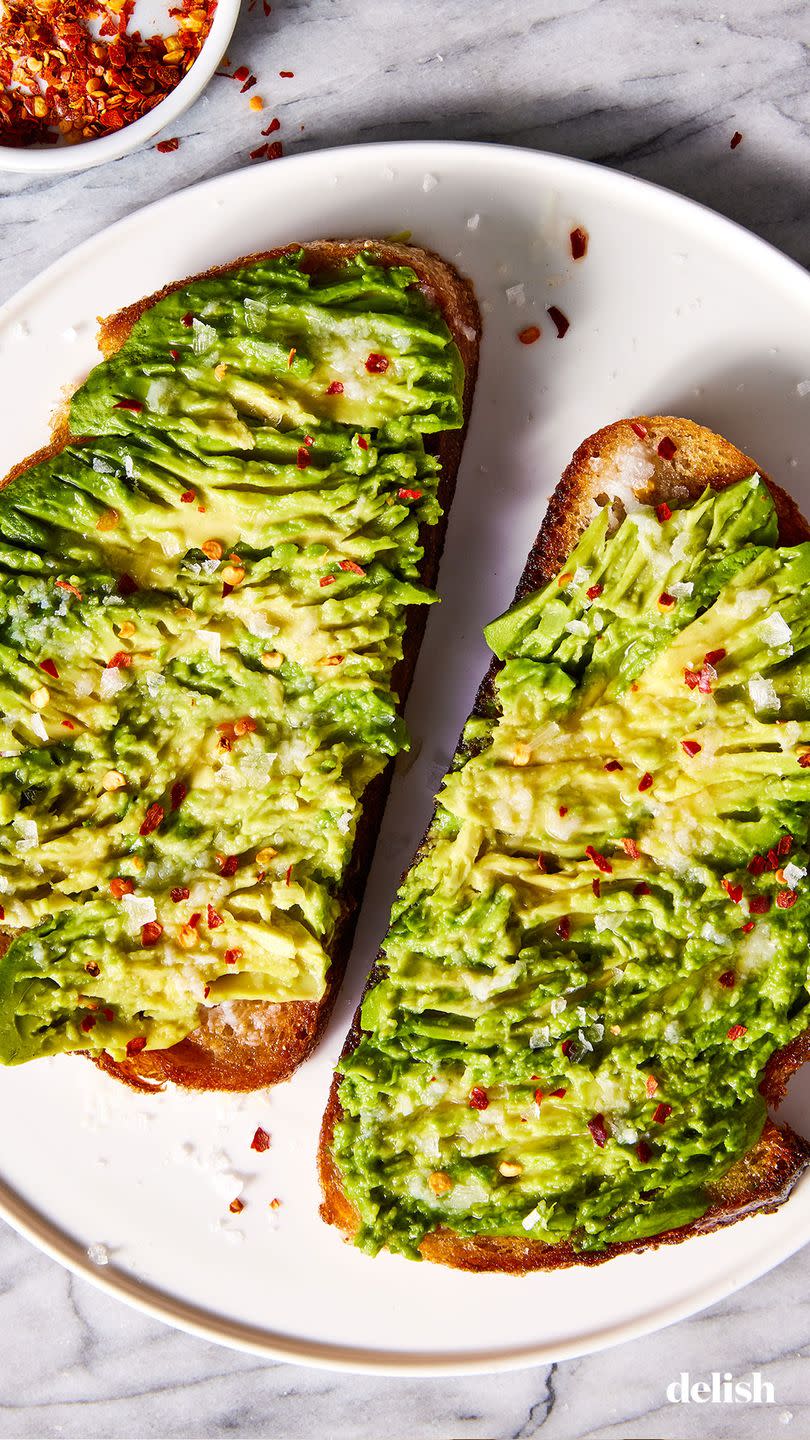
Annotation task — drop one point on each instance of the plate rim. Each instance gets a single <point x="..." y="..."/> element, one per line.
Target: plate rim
<point x="195" y="1319"/>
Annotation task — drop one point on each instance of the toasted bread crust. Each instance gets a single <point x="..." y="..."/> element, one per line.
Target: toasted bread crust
<point x="256" y="1043"/>
<point x="765" y="1176"/>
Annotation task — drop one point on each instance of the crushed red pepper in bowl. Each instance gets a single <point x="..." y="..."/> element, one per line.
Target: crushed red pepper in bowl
<point x="73" y="70"/>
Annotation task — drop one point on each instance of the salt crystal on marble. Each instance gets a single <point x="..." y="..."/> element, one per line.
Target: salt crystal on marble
<point x="803" y="387"/>
<point x="98" y="1254"/>
<point x="473" y="222"/>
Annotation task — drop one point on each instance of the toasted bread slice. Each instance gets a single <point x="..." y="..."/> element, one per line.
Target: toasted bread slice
<point x="251" y="1044"/>
<point x="606" y="469"/>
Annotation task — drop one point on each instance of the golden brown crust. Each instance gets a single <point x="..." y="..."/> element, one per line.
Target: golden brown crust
<point x="269" y="1041"/>
<point x="765" y="1176"/>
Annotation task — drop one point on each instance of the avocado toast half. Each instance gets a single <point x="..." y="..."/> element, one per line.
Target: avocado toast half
<point x="214" y="586"/>
<point x="596" y="972"/>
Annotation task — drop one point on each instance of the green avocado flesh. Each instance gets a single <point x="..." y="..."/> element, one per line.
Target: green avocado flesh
<point x="605" y="935"/>
<point x="201" y="607"/>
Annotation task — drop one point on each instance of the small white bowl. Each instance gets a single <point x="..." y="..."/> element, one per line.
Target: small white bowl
<point x="58" y="159"/>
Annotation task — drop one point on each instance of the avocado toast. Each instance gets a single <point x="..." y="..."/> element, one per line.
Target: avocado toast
<point x="596" y="971"/>
<point x="214" y="585"/>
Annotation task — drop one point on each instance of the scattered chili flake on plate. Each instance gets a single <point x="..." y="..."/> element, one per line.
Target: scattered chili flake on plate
<point x="236" y="1206"/>
<point x="735" y="140"/>
<point x="560" y="320"/>
<point x="579" y="243"/>
<point x="530" y="335"/>
<point x="165" y="147"/>
<point x="260" y="1141"/>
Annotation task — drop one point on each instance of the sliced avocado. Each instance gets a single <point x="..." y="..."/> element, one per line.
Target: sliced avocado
<point x="605" y="935"/>
<point x="202" y="603"/>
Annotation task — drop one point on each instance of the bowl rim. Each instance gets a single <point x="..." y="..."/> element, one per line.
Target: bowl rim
<point x="60" y="159"/>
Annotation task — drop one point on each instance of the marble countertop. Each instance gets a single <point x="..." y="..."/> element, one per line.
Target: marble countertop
<point x="657" y="90"/>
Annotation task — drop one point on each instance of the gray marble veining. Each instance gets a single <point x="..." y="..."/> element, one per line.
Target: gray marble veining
<point x="656" y="89"/>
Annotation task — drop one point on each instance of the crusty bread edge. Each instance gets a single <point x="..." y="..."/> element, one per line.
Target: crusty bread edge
<point x="763" y="1178"/>
<point x="219" y="1056"/>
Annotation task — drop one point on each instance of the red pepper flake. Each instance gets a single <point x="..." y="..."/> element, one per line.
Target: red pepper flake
<point x="88" y="1023"/>
<point x="734" y="892"/>
<point x="260" y="1141"/>
<point x="175" y="354"/>
<point x="728" y="979"/>
<point x="187" y="320"/>
<point x="288" y="876"/>
<point x="165" y="147"/>
<point x="663" y="512"/>
<point x="206" y="992"/>
<point x="352" y="567"/>
<point x="735" y="140"/>
<point x="231" y="956"/>
<point x="362" y="442"/>
<point x="249" y="83"/>
<point x="403" y="494"/>
<point x="179" y="792"/>
<point x="236" y="1206"/>
<point x="68" y="724"/>
<point x="756" y="865"/>
<point x="119" y="887"/>
<point x="559" y="1094"/>
<point x="773" y="860"/>
<point x="566" y="1047"/>
<point x="240" y="74"/>
<point x="286" y="74"/>
<point x="785" y="844"/>
<point x="642" y="889"/>
<point x="599" y="860"/>
<point x="108" y="1014"/>
<point x="579" y="243"/>
<point x="125" y="586"/>
<point x="121" y="660"/>
<point x="667" y="448"/>
<point x="135" y="406"/>
<point x="136" y="1045"/>
<point x="66" y="585"/>
<point x="228" y="864"/>
<point x="335" y="388"/>
<point x="188" y="497"/>
<point x="645" y="783"/>
<point x="651" y="1086"/>
<point x="748" y="927"/>
<point x="326" y="580"/>
<point x="260" y="153"/>
<point x="640" y="430"/>
<point x="180" y="892"/>
<point x="759" y="904"/>
<point x="630" y="847"/>
<point x="303" y="458"/>
<point x="214" y="920"/>
<point x="736" y="1032"/>
<point x="274" y="125"/>
<point x="377" y="364"/>
<point x="613" y="765"/>
<point x="152" y="820"/>
<point x="91" y="967"/>
<point x="594" y="592"/>
<point x="598" y="1131"/>
<point x="596" y="886"/>
<point x="666" y="600"/>
<point x="530" y="335"/>
<point x="561" y="321"/>
<point x="691" y="747"/>
<point x="563" y="810"/>
<point x="804" y="760"/>
<point x="786" y="899"/>
<point x="479" y="1099"/>
<point x="538" y="1097"/>
<point x="151" y="932"/>
<point x="194" y="919"/>
<point x="713" y="657"/>
<point x="644" y="1152"/>
<point x="661" y="1113"/>
<point x="564" y="928"/>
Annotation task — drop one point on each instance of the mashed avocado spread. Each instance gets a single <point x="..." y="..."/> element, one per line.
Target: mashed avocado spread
<point x="605" y="935"/>
<point x="201" y="606"/>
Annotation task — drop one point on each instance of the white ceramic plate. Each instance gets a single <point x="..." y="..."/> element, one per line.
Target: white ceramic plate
<point x="151" y="17"/>
<point x="673" y="310"/>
